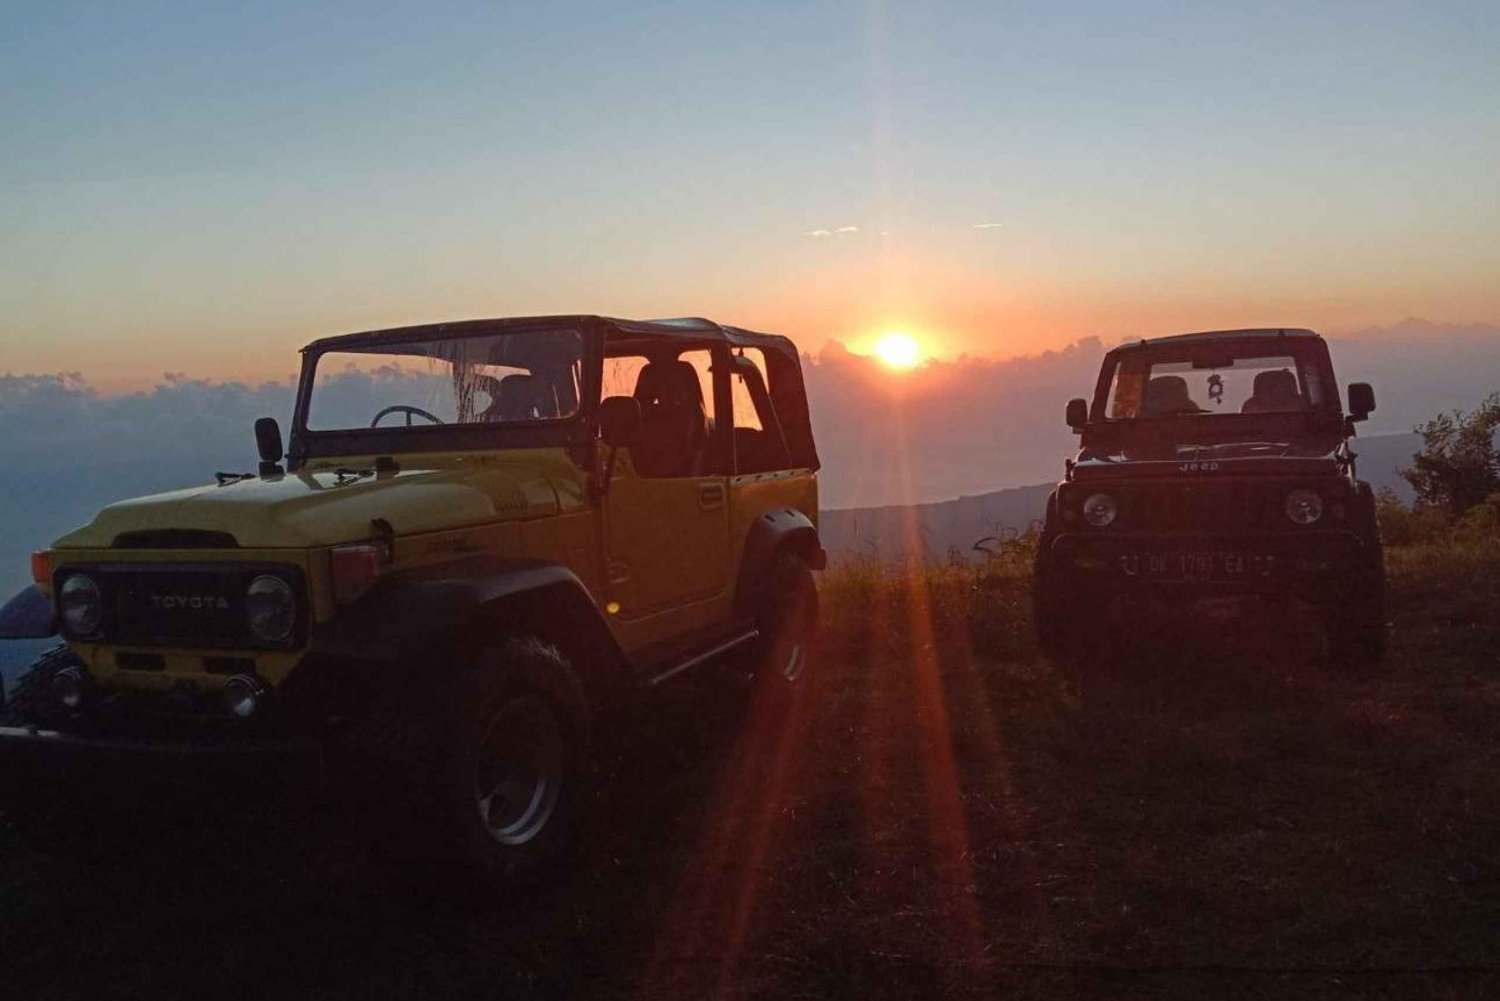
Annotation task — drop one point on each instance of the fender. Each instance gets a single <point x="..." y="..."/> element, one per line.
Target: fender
<point x="410" y="616"/>
<point x="27" y="616"/>
<point x="770" y="534"/>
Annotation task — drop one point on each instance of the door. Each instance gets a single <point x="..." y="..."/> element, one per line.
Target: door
<point x="667" y="512"/>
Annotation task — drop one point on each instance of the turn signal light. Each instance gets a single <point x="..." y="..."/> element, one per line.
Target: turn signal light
<point x="354" y="570"/>
<point x="41" y="569"/>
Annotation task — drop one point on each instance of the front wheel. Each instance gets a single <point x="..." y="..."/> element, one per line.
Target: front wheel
<point x="1355" y="621"/>
<point x="516" y="768"/>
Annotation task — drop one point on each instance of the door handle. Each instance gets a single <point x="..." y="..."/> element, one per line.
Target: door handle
<point x="711" y="496"/>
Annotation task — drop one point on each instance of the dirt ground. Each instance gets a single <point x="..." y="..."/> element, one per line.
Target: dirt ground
<point x="1221" y="817"/>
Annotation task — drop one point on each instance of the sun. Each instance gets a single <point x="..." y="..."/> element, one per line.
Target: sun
<point x="898" y="350"/>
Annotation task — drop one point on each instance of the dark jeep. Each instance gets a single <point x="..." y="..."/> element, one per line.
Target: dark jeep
<point x="1212" y="464"/>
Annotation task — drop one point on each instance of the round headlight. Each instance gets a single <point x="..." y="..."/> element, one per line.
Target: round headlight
<point x="1304" y="506"/>
<point x="270" y="609"/>
<point x="80" y="605"/>
<point x="241" y="696"/>
<point x="1100" y="510"/>
<point x="68" y="688"/>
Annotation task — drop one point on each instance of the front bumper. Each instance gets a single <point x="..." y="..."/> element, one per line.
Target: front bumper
<point x="62" y="760"/>
<point x="1227" y="563"/>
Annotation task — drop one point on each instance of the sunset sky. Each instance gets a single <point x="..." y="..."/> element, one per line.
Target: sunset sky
<point x="203" y="189"/>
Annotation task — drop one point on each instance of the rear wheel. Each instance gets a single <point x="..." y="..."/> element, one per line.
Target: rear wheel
<point x="787" y="624"/>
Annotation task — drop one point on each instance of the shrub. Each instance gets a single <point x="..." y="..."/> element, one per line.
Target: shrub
<point x="1459" y="465"/>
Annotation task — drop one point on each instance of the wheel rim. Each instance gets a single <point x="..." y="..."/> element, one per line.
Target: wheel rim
<point x="518" y="771"/>
<point x="798" y="623"/>
<point x="795" y="658"/>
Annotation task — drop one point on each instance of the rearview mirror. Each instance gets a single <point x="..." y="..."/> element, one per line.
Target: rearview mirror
<point x="1078" y="414"/>
<point x="27" y="616"/>
<point x="1361" y="400"/>
<point x="268" y="444"/>
<point x="619" y="418"/>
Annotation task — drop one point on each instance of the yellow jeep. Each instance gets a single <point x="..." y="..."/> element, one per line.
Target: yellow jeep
<point x="479" y="535"/>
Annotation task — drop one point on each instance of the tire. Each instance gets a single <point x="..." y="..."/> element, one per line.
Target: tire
<point x="1049" y="608"/>
<point x="1355" y="622"/>
<point x="515" y="763"/>
<point x="1070" y="625"/>
<point x="50" y="817"/>
<point x="787" y="625"/>
<point x="30" y="700"/>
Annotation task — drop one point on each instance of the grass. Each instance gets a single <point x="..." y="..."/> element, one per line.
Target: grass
<point x="943" y="815"/>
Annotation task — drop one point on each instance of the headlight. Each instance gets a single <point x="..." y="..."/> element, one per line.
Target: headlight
<point x="270" y="609"/>
<point x="80" y="604"/>
<point x="1100" y="510"/>
<point x="1304" y="506"/>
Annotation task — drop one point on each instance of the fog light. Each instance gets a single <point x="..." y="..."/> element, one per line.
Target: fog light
<point x="242" y="695"/>
<point x="69" y="687"/>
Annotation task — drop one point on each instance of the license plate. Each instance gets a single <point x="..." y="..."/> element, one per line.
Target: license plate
<point x="1195" y="566"/>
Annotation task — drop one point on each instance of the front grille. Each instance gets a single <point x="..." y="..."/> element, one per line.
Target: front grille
<point x="183" y="605"/>
<point x="1197" y="507"/>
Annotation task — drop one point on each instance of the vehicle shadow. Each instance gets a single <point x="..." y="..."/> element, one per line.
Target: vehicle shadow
<point x="295" y="897"/>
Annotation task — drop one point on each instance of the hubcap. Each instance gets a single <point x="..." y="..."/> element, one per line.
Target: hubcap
<point x="518" y="771"/>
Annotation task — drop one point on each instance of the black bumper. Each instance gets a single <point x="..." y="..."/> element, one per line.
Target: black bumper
<point x="29" y="754"/>
<point x="1213" y="564"/>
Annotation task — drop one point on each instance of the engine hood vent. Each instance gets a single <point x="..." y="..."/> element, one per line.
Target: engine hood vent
<point x="175" y="538"/>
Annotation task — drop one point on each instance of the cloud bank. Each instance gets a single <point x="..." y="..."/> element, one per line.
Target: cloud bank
<point x="949" y="428"/>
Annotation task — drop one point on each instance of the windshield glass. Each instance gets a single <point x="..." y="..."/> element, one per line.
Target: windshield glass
<point x="1216" y="379"/>
<point x="509" y="378"/>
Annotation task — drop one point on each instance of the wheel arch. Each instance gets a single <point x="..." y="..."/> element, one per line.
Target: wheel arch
<point x="468" y="606"/>
<point x="773" y="533"/>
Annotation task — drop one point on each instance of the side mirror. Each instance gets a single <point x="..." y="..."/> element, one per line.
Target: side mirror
<point x="619" y="419"/>
<point x="1078" y="413"/>
<point x="268" y="443"/>
<point x="1361" y="400"/>
<point x="27" y="616"/>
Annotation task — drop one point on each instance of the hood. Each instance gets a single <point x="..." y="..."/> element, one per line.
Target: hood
<point x="1158" y="456"/>
<point x="320" y="507"/>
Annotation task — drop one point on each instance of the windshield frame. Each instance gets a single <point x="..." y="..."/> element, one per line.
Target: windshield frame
<point x="575" y="432"/>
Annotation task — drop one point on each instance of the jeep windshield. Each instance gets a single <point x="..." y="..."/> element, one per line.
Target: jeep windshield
<point x="515" y="378"/>
<point x="1279" y="380"/>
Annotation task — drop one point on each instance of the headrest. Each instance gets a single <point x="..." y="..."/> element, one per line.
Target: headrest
<point x="669" y="382"/>
<point x="1166" y="390"/>
<point x="1277" y="382"/>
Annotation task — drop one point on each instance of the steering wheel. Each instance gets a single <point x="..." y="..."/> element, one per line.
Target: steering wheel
<point x="402" y="408"/>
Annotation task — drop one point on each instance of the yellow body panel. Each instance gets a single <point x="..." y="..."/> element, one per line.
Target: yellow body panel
<point x="659" y="556"/>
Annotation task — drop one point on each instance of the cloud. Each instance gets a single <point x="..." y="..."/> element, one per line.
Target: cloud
<point x="988" y="225"/>
<point x="824" y="234"/>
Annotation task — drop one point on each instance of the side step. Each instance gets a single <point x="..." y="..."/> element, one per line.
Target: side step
<point x="712" y="653"/>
